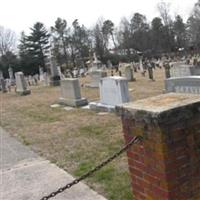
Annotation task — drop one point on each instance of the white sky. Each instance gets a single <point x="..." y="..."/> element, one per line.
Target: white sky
<point x="20" y="15"/>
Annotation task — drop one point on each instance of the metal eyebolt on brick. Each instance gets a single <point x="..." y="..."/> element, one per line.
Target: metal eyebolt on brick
<point x="97" y="168"/>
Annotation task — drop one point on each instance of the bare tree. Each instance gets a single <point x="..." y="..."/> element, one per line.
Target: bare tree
<point x="164" y="9"/>
<point x="7" y="40"/>
<point x="193" y="25"/>
<point x="196" y="10"/>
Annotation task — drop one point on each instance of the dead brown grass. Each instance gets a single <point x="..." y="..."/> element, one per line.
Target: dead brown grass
<point x="78" y="139"/>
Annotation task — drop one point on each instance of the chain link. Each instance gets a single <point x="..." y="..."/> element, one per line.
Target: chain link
<point x="97" y="168"/>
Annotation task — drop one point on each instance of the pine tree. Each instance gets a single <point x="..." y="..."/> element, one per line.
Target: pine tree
<point x="38" y="44"/>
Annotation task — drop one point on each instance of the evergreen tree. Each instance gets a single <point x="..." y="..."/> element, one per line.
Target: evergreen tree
<point x="193" y="25"/>
<point x="9" y="59"/>
<point x="38" y="44"/>
<point x="26" y="61"/>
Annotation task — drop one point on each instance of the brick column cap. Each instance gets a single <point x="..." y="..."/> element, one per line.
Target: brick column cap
<point x="169" y="108"/>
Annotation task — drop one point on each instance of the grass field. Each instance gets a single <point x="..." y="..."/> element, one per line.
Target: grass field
<point x="78" y="139"/>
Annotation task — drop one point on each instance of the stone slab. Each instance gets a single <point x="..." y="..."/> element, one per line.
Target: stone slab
<point x="55" y="105"/>
<point x="99" y="107"/>
<point x="189" y="84"/>
<point x="67" y="108"/>
<point x="26" y="176"/>
<point x="73" y="102"/>
<point x="161" y="103"/>
<point x="179" y="70"/>
<point x="25" y="92"/>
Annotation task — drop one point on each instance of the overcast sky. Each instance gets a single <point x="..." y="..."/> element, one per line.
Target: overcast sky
<point x="20" y="15"/>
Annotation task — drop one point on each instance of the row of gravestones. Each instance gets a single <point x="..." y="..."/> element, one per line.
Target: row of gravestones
<point x="113" y="92"/>
<point x="96" y="76"/>
<point x="21" y="82"/>
<point x="184" y="79"/>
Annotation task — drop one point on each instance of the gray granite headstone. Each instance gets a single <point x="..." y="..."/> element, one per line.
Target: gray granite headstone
<point x="71" y="93"/>
<point x="11" y="75"/>
<point x="196" y="71"/>
<point x="96" y="64"/>
<point x="129" y="73"/>
<point x="46" y="79"/>
<point x="41" y="72"/>
<point x="189" y="84"/>
<point x="141" y="65"/>
<point x="21" y="85"/>
<point x="3" y="85"/>
<point x="1" y="75"/>
<point x="96" y="77"/>
<point x="55" y="77"/>
<point x="180" y="70"/>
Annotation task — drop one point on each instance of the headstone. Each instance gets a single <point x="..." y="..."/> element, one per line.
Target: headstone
<point x="96" y="64"/>
<point x="96" y="77"/>
<point x="11" y="75"/>
<point x="141" y="65"/>
<point x="129" y="73"/>
<point x="41" y="72"/>
<point x="109" y="64"/>
<point x="195" y="70"/>
<point x="82" y="72"/>
<point x="60" y="73"/>
<point x="1" y="75"/>
<point x="150" y="70"/>
<point x="35" y="79"/>
<point x="166" y="66"/>
<point x="46" y="79"/>
<point x="180" y="70"/>
<point x="113" y="92"/>
<point x="8" y="84"/>
<point x="55" y="77"/>
<point x="71" y="93"/>
<point x="189" y="84"/>
<point x="3" y="85"/>
<point x="21" y="84"/>
<point x="30" y="81"/>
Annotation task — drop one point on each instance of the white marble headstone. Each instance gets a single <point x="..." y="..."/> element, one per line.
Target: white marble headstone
<point x="114" y="90"/>
<point x="20" y="81"/>
<point x="21" y="84"/>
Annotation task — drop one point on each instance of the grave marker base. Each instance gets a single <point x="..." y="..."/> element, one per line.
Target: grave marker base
<point x="73" y="102"/>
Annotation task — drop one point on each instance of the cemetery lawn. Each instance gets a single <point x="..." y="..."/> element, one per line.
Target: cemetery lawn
<point x="78" y="139"/>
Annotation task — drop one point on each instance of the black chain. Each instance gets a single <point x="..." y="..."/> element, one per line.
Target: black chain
<point x="69" y="185"/>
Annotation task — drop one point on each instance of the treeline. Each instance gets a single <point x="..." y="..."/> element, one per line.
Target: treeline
<point x="73" y="45"/>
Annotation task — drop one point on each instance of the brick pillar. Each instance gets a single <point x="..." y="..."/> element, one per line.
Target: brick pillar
<point x="166" y="165"/>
